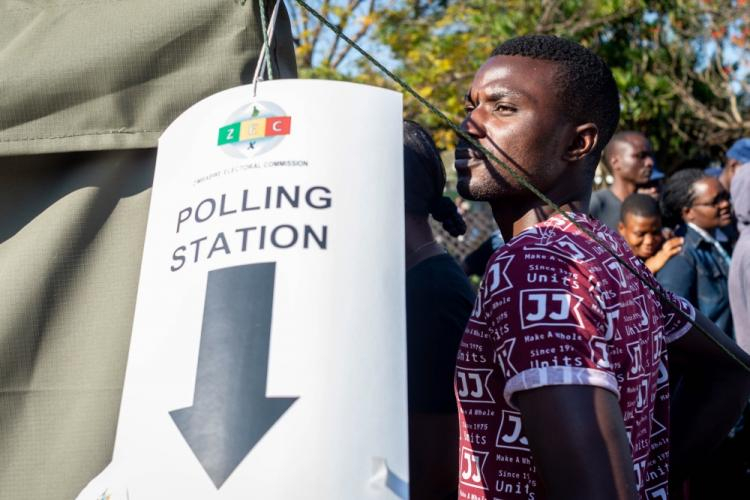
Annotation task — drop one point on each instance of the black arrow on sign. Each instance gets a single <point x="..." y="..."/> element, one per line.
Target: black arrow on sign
<point x="230" y="411"/>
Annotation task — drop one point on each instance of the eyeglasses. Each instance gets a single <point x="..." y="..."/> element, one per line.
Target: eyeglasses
<point x="718" y="200"/>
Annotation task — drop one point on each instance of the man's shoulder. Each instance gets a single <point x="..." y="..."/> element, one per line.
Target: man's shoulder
<point x="692" y="237"/>
<point x="693" y="245"/>
<point x="678" y="272"/>
<point x="605" y="205"/>
<point x="562" y="232"/>
<point x="555" y="246"/>
<point x="604" y="196"/>
<point x="677" y="264"/>
<point x="599" y="193"/>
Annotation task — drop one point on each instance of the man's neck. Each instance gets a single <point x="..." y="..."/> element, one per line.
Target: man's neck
<point x="622" y="188"/>
<point x="512" y="221"/>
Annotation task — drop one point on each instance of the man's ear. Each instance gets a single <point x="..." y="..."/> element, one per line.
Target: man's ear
<point x="585" y="139"/>
<point x="621" y="228"/>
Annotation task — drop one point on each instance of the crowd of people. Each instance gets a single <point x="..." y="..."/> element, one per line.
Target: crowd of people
<point x="574" y="378"/>
<point x="683" y="227"/>
<point x="686" y="230"/>
<point x="562" y="376"/>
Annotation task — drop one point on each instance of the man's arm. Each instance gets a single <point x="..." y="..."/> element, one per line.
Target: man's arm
<point x="711" y="394"/>
<point x="578" y="439"/>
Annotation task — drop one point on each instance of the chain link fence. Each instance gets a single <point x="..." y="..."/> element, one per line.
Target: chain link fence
<point x="479" y="226"/>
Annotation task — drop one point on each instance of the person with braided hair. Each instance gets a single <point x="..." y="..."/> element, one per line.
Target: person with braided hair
<point x="438" y="304"/>
<point x="700" y="205"/>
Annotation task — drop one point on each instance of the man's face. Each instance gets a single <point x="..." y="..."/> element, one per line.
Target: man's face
<point x="643" y="234"/>
<point x="711" y="207"/>
<point x="513" y="111"/>
<point x="633" y="159"/>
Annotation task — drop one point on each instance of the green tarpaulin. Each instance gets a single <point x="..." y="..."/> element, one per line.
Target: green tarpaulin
<point x="86" y="88"/>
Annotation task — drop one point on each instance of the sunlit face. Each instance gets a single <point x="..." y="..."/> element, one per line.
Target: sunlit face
<point x="643" y="234"/>
<point x="711" y="207"/>
<point x="633" y="159"/>
<point x="513" y="111"/>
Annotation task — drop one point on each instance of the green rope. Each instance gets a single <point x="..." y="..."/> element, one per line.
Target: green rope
<point x="264" y="29"/>
<point x="518" y="177"/>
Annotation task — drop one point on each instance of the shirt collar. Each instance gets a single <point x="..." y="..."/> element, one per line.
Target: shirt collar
<point x="704" y="234"/>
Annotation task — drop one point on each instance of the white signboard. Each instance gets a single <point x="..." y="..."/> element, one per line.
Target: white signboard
<point x="268" y="359"/>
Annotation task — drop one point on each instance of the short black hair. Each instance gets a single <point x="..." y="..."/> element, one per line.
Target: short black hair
<point x="424" y="180"/>
<point x="611" y="146"/>
<point x="641" y="205"/>
<point x="585" y="84"/>
<point x="679" y="193"/>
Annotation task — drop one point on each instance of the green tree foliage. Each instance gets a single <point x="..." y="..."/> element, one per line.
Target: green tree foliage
<point x="320" y="53"/>
<point x="682" y="66"/>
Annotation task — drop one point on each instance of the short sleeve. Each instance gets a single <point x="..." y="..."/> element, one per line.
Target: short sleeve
<point x="679" y="315"/>
<point x="551" y="326"/>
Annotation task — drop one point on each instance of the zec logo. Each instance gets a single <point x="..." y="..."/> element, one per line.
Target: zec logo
<point x="254" y="129"/>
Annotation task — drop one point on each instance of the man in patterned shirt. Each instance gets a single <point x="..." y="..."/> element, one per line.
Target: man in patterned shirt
<point x="561" y="376"/>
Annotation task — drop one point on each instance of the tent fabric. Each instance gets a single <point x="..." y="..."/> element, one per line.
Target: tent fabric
<point x="88" y="86"/>
<point x="107" y="74"/>
<point x="71" y="236"/>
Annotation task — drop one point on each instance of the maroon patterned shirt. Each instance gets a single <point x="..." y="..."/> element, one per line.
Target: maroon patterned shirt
<point x="555" y="308"/>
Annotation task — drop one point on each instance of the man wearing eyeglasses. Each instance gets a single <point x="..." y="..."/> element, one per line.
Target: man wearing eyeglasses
<point x="700" y="272"/>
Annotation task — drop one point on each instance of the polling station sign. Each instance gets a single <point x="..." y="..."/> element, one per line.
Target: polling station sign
<point x="267" y="357"/>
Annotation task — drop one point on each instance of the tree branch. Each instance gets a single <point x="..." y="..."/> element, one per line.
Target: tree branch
<point x="548" y="10"/>
<point x="356" y="37"/>
<point x="343" y="23"/>
<point x="315" y="35"/>
<point x="582" y="23"/>
<point x="698" y="108"/>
